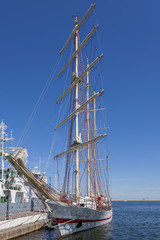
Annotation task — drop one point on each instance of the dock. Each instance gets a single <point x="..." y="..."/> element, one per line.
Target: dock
<point x="12" y="228"/>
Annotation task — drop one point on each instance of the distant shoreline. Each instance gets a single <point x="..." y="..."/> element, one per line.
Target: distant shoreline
<point x="145" y="200"/>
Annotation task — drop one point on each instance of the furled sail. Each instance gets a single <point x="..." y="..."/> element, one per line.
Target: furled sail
<point x="18" y="164"/>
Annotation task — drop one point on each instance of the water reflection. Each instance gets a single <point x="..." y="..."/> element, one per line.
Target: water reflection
<point x="103" y="232"/>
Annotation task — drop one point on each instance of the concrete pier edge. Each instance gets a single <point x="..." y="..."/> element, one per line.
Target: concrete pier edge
<point x="21" y="230"/>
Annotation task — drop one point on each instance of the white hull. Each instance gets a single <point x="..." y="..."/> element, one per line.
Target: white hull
<point x="72" y="219"/>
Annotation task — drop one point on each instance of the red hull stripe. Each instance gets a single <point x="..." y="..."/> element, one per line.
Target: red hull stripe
<point x="63" y="220"/>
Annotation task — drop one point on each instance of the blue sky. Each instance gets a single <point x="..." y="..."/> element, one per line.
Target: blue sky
<point x="33" y="32"/>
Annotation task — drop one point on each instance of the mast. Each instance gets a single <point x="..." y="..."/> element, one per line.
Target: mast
<point x="78" y="144"/>
<point x="3" y="127"/>
<point x="77" y="27"/>
<point x="80" y="77"/>
<point x="80" y="107"/>
<point x="76" y="115"/>
<point x="55" y="176"/>
<point x="95" y="173"/>
<point x="88" y="157"/>
<point x="3" y="138"/>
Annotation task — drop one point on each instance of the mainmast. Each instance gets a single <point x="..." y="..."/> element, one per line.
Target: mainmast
<point x="76" y="115"/>
<point x="88" y="135"/>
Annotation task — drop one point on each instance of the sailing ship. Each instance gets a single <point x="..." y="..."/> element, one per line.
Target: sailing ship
<point x="83" y="201"/>
<point x="78" y="212"/>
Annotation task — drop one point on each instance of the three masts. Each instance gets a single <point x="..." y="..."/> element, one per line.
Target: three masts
<point x="76" y="79"/>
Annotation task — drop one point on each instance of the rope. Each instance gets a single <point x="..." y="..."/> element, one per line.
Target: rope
<point x="37" y="105"/>
<point x="67" y="222"/>
<point x="56" y="226"/>
<point x="6" y="229"/>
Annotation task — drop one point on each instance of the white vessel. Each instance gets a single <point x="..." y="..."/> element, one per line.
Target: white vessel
<point x="15" y="195"/>
<point x="79" y="209"/>
<point x="82" y="201"/>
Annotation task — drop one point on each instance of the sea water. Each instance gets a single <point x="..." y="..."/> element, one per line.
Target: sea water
<point x="131" y="220"/>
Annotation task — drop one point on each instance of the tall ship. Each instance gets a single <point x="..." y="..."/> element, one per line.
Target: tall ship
<point x="82" y="200"/>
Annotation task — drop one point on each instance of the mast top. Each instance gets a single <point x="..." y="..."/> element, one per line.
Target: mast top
<point x="3" y="126"/>
<point x="77" y="26"/>
<point x="3" y="133"/>
<point x="75" y="19"/>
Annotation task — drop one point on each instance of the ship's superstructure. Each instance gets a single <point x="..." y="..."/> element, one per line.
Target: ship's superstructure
<point x="15" y="195"/>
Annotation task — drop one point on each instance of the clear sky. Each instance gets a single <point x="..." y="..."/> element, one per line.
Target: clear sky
<point x="31" y="35"/>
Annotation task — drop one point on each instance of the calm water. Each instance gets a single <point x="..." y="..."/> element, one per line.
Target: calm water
<point x="131" y="220"/>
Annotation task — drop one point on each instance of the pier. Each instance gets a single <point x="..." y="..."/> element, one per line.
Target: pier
<point x="13" y="228"/>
